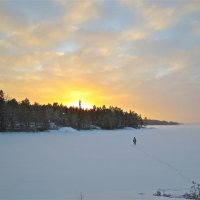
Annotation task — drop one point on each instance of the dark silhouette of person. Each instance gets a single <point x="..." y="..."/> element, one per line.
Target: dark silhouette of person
<point x="134" y="141"/>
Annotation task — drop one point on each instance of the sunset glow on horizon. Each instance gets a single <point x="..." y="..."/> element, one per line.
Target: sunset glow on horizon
<point x="140" y="55"/>
<point x="84" y="105"/>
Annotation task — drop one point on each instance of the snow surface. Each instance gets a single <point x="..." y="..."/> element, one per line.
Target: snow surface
<point x="99" y="164"/>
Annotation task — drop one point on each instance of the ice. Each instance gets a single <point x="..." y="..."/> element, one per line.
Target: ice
<point x="99" y="164"/>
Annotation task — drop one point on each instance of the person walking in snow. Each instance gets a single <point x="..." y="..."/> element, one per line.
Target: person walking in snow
<point x="134" y="141"/>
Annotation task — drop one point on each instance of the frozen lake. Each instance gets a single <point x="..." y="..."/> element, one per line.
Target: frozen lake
<point x="99" y="164"/>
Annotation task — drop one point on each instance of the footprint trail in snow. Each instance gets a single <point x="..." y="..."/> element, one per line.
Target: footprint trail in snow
<point x="178" y="171"/>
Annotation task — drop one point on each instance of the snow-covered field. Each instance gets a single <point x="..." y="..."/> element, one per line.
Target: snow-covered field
<point x="100" y="165"/>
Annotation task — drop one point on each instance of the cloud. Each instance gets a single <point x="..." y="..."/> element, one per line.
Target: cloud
<point x="158" y="15"/>
<point x="10" y="19"/>
<point x="47" y="33"/>
<point x="149" y="63"/>
<point x="131" y="35"/>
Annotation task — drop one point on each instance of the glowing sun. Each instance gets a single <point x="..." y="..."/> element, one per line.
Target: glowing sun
<point x="83" y="105"/>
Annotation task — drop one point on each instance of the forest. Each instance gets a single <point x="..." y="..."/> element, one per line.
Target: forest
<point x="24" y="116"/>
<point x="158" y="122"/>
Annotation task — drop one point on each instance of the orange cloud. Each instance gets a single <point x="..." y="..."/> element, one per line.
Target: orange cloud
<point x="148" y="64"/>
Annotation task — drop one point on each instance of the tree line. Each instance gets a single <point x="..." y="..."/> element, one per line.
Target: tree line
<point x="24" y="116"/>
<point x="158" y="122"/>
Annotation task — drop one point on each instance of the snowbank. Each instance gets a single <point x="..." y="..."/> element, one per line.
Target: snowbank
<point x="129" y="128"/>
<point x="66" y="129"/>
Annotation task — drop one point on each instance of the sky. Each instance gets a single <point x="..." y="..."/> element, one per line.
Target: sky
<point x="141" y="55"/>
